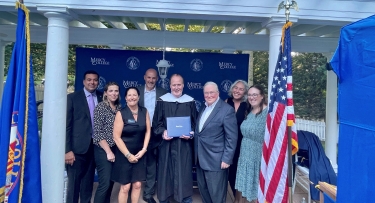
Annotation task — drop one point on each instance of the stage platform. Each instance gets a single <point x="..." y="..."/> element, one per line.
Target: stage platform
<point x="298" y="195"/>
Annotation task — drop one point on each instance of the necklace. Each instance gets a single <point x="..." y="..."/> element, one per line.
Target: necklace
<point x="135" y="113"/>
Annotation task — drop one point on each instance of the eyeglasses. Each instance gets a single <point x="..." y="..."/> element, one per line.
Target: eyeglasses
<point x="253" y="95"/>
<point x="209" y="93"/>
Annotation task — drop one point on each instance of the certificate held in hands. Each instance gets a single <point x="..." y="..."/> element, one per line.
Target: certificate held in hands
<point x="178" y="126"/>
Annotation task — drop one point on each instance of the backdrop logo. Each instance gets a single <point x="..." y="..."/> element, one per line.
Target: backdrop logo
<point x="198" y="104"/>
<point x="194" y="85"/>
<point x="225" y="65"/>
<point x="196" y="65"/>
<point x="164" y="83"/>
<point x="99" y="61"/>
<point x="225" y="85"/>
<point x="133" y="63"/>
<point x="129" y="83"/>
<point x="102" y="83"/>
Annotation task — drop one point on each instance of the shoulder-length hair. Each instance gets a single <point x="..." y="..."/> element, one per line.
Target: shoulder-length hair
<point x="230" y="92"/>
<point x="105" y="99"/>
<point x="262" y="103"/>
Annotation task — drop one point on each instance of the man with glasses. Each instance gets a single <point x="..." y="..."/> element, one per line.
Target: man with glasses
<point x="215" y="141"/>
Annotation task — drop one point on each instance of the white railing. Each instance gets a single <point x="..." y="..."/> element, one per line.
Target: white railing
<point x="316" y="127"/>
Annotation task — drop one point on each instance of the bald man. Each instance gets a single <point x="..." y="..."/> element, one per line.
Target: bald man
<point x="149" y="93"/>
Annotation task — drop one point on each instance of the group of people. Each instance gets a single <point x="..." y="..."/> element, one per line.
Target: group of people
<point x="130" y="145"/>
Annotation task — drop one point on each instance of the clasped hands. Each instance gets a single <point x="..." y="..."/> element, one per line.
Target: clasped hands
<point x="165" y="136"/>
<point x="134" y="158"/>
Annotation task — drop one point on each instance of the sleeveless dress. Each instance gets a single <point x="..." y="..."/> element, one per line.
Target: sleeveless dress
<point x="133" y="135"/>
<point x="247" y="178"/>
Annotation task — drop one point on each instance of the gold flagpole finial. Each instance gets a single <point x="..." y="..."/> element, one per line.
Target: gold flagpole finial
<point x="287" y="6"/>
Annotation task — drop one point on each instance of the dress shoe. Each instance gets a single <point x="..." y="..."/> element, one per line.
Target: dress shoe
<point x="149" y="200"/>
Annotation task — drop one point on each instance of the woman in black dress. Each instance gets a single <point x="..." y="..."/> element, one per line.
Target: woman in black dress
<point x="237" y="99"/>
<point x="131" y="133"/>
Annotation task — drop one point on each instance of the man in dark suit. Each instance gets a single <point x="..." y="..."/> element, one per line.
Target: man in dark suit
<point x="215" y="141"/>
<point x="149" y="93"/>
<point x="79" y="151"/>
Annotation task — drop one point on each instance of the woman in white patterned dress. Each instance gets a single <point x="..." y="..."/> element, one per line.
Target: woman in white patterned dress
<point x="252" y="129"/>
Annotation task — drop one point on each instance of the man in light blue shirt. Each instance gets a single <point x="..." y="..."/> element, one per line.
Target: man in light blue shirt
<point x="149" y="93"/>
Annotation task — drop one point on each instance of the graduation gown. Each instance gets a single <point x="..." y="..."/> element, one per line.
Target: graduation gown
<point x="176" y="155"/>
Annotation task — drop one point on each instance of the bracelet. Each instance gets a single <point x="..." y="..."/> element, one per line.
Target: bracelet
<point x="144" y="149"/>
<point x="128" y="155"/>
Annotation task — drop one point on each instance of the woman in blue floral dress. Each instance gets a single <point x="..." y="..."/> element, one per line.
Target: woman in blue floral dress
<point x="252" y="129"/>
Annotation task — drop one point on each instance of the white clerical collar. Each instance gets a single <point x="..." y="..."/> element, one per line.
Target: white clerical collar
<point x="171" y="98"/>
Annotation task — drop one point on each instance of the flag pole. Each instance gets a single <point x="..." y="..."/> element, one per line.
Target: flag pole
<point x="287" y="6"/>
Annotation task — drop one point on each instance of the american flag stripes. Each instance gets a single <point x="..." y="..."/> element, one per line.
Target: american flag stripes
<point x="273" y="184"/>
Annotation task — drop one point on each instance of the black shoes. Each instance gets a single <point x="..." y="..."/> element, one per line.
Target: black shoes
<point x="150" y="200"/>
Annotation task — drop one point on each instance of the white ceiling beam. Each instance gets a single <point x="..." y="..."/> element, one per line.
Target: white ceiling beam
<point x="161" y="23"/>
<point x="231" y="27"/>
<point x="208" y="25"/>
<point x="89" y="21"/>
<point x="323" y="31"/>
<point x="114" y="21"/>
<point x="252" y="28"/>
<point x="301" y="29"/>
<point x="75" y="23"/>
<point x="38" y="19"/>
<point x="8" y="17"/>
<point x="334" y="34"/>
<point x="187" y="23"/>
<point x="138" y="23"/>
<point x="142" y="38"/>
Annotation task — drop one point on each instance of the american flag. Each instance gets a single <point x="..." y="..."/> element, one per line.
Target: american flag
<point x="273" y="184"/>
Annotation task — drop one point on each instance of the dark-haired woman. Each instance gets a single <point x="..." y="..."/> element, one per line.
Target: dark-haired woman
<point x="253" y="129"/>
<point x="104" y="116"/>
<point x="131" y="133"/>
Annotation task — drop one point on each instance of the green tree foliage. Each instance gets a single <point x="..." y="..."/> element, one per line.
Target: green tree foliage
<point x="309" y="85"/>
<point x="260" y="72"/>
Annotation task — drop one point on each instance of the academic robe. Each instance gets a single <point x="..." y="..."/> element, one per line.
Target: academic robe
<point x="176" y="155"/>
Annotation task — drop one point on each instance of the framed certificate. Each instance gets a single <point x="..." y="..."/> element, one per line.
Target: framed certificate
<point x="178" y="126"/>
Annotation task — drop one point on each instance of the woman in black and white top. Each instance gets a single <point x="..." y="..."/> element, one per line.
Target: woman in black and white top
<point x="104" y="116"/>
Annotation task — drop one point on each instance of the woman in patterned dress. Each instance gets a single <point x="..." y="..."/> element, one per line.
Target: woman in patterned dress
<point x="104" y="116"/>
<point x="252" y="129"/>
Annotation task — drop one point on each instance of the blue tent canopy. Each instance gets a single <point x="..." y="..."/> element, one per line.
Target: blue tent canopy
<point x="354" y="64"/>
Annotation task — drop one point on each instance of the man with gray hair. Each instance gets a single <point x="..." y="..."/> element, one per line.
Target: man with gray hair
<point x="215" y="142"/>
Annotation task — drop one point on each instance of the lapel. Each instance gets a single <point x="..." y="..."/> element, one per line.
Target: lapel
<point x="142" y="95"/>
<point x="99" y="96"/>
<point x="213" y="113"/>
<point x="199" y="117"/>
<point x="84" y="103"/>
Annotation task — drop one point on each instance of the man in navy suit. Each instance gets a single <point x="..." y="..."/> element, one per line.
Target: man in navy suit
<point x="79" y="151"/>
<point x="215" y="141"/>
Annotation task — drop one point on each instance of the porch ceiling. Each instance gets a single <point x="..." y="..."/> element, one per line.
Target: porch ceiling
<point x="209" y="24"/>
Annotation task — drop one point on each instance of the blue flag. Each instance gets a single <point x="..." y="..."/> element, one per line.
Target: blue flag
<point x="20" y="178"/>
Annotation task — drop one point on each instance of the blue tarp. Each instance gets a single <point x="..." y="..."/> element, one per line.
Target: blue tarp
<point x="354" y="64"/>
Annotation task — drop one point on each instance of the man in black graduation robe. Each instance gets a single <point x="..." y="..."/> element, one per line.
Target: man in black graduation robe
<point x="175" y="154"/>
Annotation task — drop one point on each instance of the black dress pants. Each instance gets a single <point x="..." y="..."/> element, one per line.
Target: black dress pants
<point x="151" y="160"/>
<point x="213" y="185"/>
<point x="81" y="177"/>
<point x="104" y="168"/>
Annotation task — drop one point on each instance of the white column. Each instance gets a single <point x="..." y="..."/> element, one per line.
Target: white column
<point x="2" y="66"/>
<point x="54" y="107"/>
<point x="275" y="31"/>
<point x="331" y="116"/>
